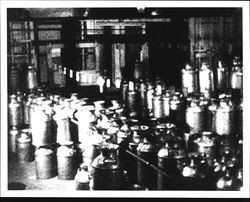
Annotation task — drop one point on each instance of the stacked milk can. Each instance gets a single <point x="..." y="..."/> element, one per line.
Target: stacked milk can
<point x="19" y="138"/>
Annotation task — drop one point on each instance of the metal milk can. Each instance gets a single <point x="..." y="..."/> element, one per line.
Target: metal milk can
<point x="107" y="172"/>
<point x="225" y="183"/>
<point x="147" y="151"/>
<point x="14" y="112"/>
<point x="195" y="117"/>
<point x="170" y="159"/>
<point x="86" y="118"/>
<point x="206" y="144"/>
<point x="124" y="89"/>
<point x="62" y="120"/>
<point x="222" y="77"/>
<point x="236" y="77"/>
<point x="82" y="178"/>
<point x="189" y="80"/>
<point x="23" y="146"/>
<point x="66" y="161"/>
<point x="166" y="104"/>
<point x="150" y="93"/>
<point x="210" y="115"/>
<point x="206" y="80"/>
<point x="132" y="100"/>
<point x="194" y="177"/>
<point x="40" y="126"/>
<point x="46" y="165"/>
<point x="27" y="106"/>
<point x="14" y="78"/>
<point x="12" y="136"/>
<point x="239" y="118"/>
<point x="224" y="118"/>
<point x="177" y="108"/>
<point x="32" y="82"/>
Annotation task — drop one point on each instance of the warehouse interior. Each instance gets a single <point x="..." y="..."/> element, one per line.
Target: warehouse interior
<point x="100" y="97"/>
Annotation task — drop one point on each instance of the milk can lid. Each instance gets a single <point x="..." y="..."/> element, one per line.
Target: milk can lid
<point x="43" y="151"/>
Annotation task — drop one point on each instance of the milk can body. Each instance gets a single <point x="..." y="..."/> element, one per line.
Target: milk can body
<point x="31" y="78"/>
<point x="210" y="115"/>
<point x="40" y="127"/>
<point x="236" y="77"/>
<point x="14" y="112"/>
<point x="169" y="159"/>
<point x="222" y="77"/>
<point x="14" y="78"/>
<point x="189" y="80"/>
<point x="224" y="119"/>
<point x="66" y="161"/>
<point x="157" y="106"/>
<point x="12" y="136"/>
<point x="148" y="152"/>
<point x="177" y="109"/>
<point x="27" y="108"/>
<point x="46" y="164"/>
<point x="23" y="146"/>
<point x="150" y="92"/>
<point x="206" y="80"/>
<point x="107" y="171"/>
<point x="195" y="117"/>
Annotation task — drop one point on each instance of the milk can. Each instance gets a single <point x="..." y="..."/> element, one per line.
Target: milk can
<point x="150" y="93"/>
<point x="236" y="78"/>
<point x="66" y="161"/>
<point x="23" y="146"/>
<point x="12" y="136"/>
<point x="143" y="94"/>
<point x="31" y="78"/>
<point x="63" y="131"/>
<point x="138" y="133"/>
<point x="194" y="177"/>
<point x="166" y="104"/>
<point x="225" y="183"/>
<point x="86" y="118"/>
<point x="224" y="118"/>
<point x="177" y="109"/>
<point x="195" y="117"/>
<point x="171" y="157"/>
<point x="157" y="106"/>
<point x="238" y="182"/>
<point x="189" y="80"/>
<point x="239" y="118"/>
<point x="107" y="172"/>
<point x="138" y="70"/>
<point x="82" y="178"/>
<point x="27" y="108"/>
<point x="206" y="80"/>
<point x="14" y="112"/>
<point x="40" y="126"/>
<point x="46" y="165"/>
<point x="124" y="89"/>
<point x="222" y="77"/>
<point x="147" y="151"/>
<point x="14" y="78"/>
<point x="20" y="99"/>
<point x="206" y="144"/>
<point x="132" y="100"/>
<point x="210" y="115"/>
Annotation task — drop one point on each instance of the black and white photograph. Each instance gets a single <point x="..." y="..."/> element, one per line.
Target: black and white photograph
<point x="125" y="99"/>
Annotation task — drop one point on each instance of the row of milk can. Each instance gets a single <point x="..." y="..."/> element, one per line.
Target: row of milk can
<point x="22" y="79"/>
<point x="145" y="99"/>
<point x="219" y="116"/>
<point x="207" y="80"/>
